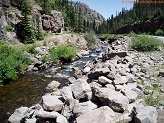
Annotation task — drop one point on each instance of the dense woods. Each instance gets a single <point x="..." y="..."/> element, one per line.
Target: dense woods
<point x="141" y="12"/>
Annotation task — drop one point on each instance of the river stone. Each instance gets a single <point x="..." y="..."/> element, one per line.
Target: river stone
<point x="131" y="95"/>
<point x="98" y="72"/>
<point x="100" y="115"/>
<point x="82" y="108"/>
<point x="86" y="69"/>
<point x="18" y="115"/>
<point x="81" y="90"/>
<point x="31" y="120"/>
<point x="121" y="80"/>
<point x="115" y="100"/>
<point x="52" y="115"/>
<point x="52" y="103"/>
<point x="54" y="85"/>
<point x="66" y="93"/>
<point x="146" y="115"/>
<point x="125" y="118"/>
<point x="68" y="107"/>
<point x="103" y="80"/>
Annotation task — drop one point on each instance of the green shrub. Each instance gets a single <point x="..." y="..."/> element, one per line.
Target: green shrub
<point x="145" y="43"/>
<point x="159" y="32"/>
<point x="44" y="59"/>
<point x="40" y="36"/>
<point x="31" y="49"/>
<point x="12" y="61"/>
<point x="62" y="52"/>
<point x="9" y="28"/>
<point x="90" y="38"/>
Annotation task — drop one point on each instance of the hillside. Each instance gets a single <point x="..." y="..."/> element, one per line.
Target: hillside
<point x="143" y="17"/>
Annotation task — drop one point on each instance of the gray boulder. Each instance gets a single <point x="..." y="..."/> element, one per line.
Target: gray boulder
<point x="82" y="108"/>
<point x="98" y="72"/>
<point x="146" y="115"/>
<point x="52" y="103"/>
<point x="18" y="115"/>
<point x="103" y="80"/>
<point x="101" y="115"/>
<point x="68" y="107"/>
<point x="81" y="89"/>
<point x="52" y="115"/>
<point x="66" y="93"/>
<point x="115" y="100"/>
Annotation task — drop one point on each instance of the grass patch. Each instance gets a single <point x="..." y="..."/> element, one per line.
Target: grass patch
<point x="63" y="53"/>
<point x="90" y="38"/>
<point x="145" y="43"/>
<point x="12" y="62"/>
<point x="152" y="100"/>
<point x="31" y="49"/>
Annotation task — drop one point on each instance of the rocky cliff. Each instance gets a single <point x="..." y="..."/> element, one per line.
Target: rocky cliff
<point x="89" y="14"/>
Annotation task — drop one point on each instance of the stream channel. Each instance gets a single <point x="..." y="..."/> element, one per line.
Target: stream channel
<point x="28" y="88"/>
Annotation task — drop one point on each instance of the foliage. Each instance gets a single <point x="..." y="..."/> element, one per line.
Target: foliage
<point x="12" y="61"/>
<point x="90" y="38"/>
<point x="39" y="34"/>
<point x="31" y="49"/>
<point x="159" y="32"/>
<point x="9" y="28"/>
<point x="145" y="43"/>
<point x="151" y="100"/>
<point x="44" y="59"/>
<point x="25" y="30"/>
<point x="62" y="52"/>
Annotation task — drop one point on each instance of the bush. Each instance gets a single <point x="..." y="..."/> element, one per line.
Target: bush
<point x="62" y="52"/>
<point x="9" y="28"/>
<point x="90" y="38"/>
<point x="159" y="32"/>
<point x="44" y="59"/>
<point x="145" y="43"/>
<point x="12" y="61"/>
<point x="31" y="49"/>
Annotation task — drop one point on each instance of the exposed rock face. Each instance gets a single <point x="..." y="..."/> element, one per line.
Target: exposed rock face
<point x="53" y="22"/>
<point x="3" y="24"/>
<point x="5" y="3"/>
<point x="89" y="14"/>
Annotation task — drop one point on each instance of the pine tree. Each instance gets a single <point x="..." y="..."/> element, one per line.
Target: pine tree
<point x="25" y="30"/>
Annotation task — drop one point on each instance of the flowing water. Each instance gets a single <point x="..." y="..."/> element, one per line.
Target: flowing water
<point x="28" y="89"/>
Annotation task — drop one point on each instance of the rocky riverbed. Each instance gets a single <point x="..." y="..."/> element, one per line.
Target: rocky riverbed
<point x="110" y="89"/>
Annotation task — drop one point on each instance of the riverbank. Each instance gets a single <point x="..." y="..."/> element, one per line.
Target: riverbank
<point x="111" y="88"/>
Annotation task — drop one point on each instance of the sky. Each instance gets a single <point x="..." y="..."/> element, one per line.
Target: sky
<point x="107" y="7"/>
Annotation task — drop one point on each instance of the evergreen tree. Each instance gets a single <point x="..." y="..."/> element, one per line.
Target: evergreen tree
<point x="25" y="30"/>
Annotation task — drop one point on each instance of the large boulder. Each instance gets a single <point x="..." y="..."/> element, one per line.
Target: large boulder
<point x="53" y="22"/>
<point x="52" y="115"/>
<point x="146" y="115"/>
<point x="52" y="103"/>
<point x="101" y="115"/>
<point x="82" y="108"/>
<point x="5" y="3"/>
<point x="81" y="90"/>
<point x="18" y="115"/>
<point x="115" y="100"/>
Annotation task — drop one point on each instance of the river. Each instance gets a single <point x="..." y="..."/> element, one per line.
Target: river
<point x="28" y="89"/>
